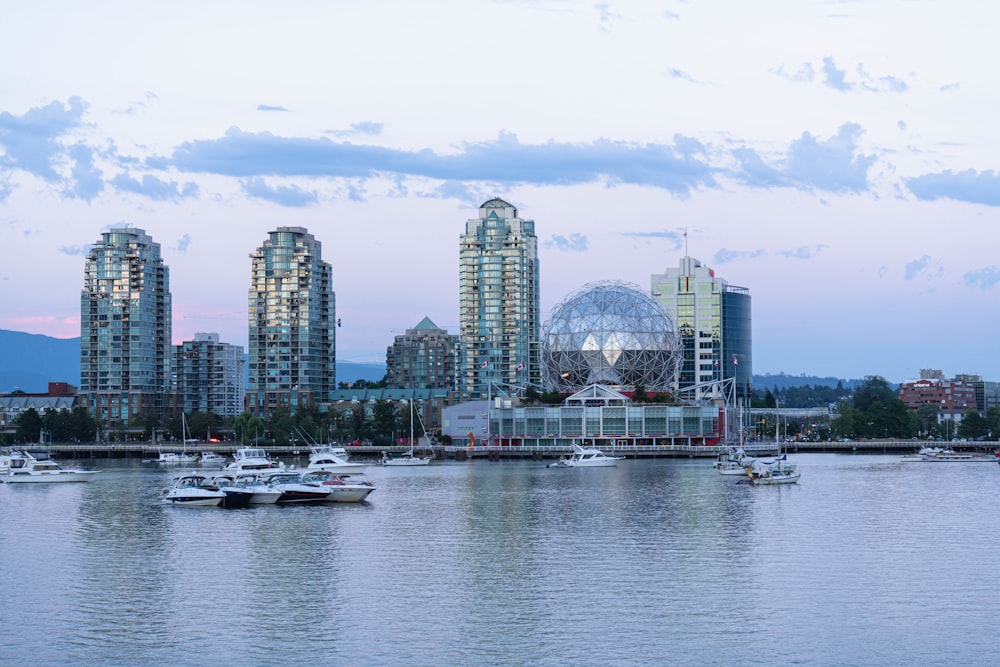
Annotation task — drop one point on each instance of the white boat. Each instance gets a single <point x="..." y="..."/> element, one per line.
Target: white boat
<point x="341" y="488"/>
<point x="252" y="459"/>
<point x="586" y="457"/>
<point x="734" y="461"/>
<point x="948" y="455"/>
<point x="193" y="490"/>
<point x="212" y="459"/>
<point x="768" y="474"/>
<point x="177" y="457"/>
<point x="330" y="459"/>
<point x="408" y="458"/>
<point x="262" y="493"/>
<point x="294" y="490"/>
<point x="26" y="468"/>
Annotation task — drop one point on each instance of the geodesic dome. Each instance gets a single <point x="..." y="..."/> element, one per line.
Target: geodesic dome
<point x="610" y="333"/>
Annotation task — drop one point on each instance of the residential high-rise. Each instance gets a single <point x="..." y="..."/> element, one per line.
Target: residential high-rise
<point x="125" y="331"/>
<point x="713" y="325"/>
<point x="498" y="300"/>
<point x="209" y="375"/>
<point x="292" y="318"/>
<point x="426" y="357"/>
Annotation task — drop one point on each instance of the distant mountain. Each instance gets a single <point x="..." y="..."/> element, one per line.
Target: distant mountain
<point x="30" y="361"/>
<point x="783" y="381"/>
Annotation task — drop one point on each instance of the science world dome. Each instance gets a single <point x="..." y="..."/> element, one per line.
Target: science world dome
<point x="610" y="333"/>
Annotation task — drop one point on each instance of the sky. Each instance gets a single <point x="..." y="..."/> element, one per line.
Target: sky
<point x="839" y="159"/>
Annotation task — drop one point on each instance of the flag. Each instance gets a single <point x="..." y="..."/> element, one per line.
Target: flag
<point x="735" y="362"/>
<point x="484" y="364"/>
<point x="716" y="363"/>
<point x="520" y="366"/>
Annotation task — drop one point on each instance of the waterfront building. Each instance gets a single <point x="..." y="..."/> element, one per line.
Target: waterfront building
<point x="952" y="398"/>
<point x="292" y="324"/>
<point x="499" y="307"/>
<point x="595" y="414"/>
<point x="612" y="333"/>
<point x="425" y="357"/>
<point x="125" y="328"/>
<point x="208" y="375"/>
<point x="713" y="324"/>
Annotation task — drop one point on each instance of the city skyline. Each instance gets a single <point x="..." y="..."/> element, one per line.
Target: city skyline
<point x="836" y="159"/>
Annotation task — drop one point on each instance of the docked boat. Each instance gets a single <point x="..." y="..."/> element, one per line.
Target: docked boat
<point x="177" y="457"/>
<point x="332" y="459"/>
<point x="948" y="455"/>
<point x="769" y="474"/>
<point x="23" y="467"/>
<point x="586" y="457"/>
<point x="212" y="459"/>
<point x="294" y="490"/>
<point x="260" y="492"/>
<point x="252" y="459"/>
<point x="193" y="490"/>
<point x="341" y="488"/>
<point x="408" y="458"/>
<point x="734" y="461"/>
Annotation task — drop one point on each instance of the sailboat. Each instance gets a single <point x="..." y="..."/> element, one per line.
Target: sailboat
<point x="408" y="458"/>
<point x="182" y="456"/>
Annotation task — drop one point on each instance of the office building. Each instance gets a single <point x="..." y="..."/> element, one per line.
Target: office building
<point x="713" y="326"/>
<point x="125" y="332"/>
<point x="292" y="324"/>
<point x="208" y="376"/>
<point x="499" y="301"/>
<point x="425" y="357"/>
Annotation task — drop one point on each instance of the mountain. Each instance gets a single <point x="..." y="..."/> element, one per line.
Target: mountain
<point x="30" y="361"/>
<point x="784" y="381"/>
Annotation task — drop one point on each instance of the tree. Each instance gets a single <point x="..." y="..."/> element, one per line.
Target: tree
<point x="29" y="425"/>
<point x="247" y="426"/>
<point x="875" y="412"/>
<point x="973" y="426"/>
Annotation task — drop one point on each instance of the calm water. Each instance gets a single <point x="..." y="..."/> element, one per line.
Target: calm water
<point x="867" y="561"/>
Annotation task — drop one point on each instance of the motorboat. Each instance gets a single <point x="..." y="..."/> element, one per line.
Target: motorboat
<point x="193" y="490"/>
<point x="768" y="474"/>
<point x="332" y="459"/>
<point x="946" y="454"/>
<point x="260" y="492"/>
<point x="734" y="461"/>
<point x="294" y="490"/>
<point x="213" y="459"/>
<point x="586" y="457"/>
<point x="177" y="457"/>
<point x="252" y="459"/>
<point x="23" y="467"/>
<point x="341" y="488"/>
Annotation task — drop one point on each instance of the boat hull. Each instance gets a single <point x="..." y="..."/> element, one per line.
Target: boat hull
<point x="50" y="477"/>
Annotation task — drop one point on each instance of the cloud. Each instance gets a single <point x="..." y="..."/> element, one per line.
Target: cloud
<point x="155" y="188"/>
<point x="676" y="238"/>
<point x="606" y="16"/>
<point x="286" y="195"/>
<point x="31" y="141"/>
<point x="5" y="188"/>
<point x="74" y="250"/>
<point x="835" y="77"/>
<point x="914" y="268"/>
<point x="682" y="75"/>
<point x="367" y="127"/>
<point x="981" y="187"/>
<point x="147" y="101"/>
<point x="268" y="107"/>
<point x="802" y="252"/>
<point x="833" y="165"/>
<point x="679" y="168"/>
<point x="576" y="242"/>
<point x="87" y="181"/>
<point x="183" y="243"/>
<point x="724" y="256"/>
<point x="984" y="278"/>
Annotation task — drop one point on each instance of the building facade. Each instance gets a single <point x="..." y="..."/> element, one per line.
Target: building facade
<point x="208" y="376"/>
<point x="713" y="320"/>
<point x="952" y="398"/>
<point x="125" y="329"/>
<point x="425" y="357"/>
<point x="499" y="307"/>
<point x="292" y="324"/>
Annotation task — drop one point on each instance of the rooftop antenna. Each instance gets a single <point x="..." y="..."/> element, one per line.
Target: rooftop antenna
<point x="686" y="242"/>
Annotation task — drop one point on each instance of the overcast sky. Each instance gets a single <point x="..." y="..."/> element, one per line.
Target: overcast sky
<point x="837" y="158"/>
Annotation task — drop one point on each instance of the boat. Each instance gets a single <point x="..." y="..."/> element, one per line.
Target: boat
<point x="193" y="490"/>
<point x="408" y="458"/>
<point x="177" y="457"/>
<point x="734" y="461"/>
<point x="252" y="459"/>
<point x="30" y="468"/>
<point x="212" y="459"/>
<point x="586" y="457"/>
<point x="948" y="455"/>
<point x="294" y="490"/>
<point x="770" y="474"/>
<point x="330" y="459"/>
<point x="260" y="492"/>
<point x="341" y="488"/>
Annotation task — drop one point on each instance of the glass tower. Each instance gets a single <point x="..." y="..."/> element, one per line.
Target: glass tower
<point x="498" y="301"/>
<point x="292" y="324"/>
<point x="125" y="331"/>
<point x="713" y="325"/>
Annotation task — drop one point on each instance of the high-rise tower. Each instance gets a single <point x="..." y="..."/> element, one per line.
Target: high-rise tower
<point x="713" y="324"/>
<point x="125" y="330"/>
<point x="292" y="317"/>
<point x="498" y="300"/>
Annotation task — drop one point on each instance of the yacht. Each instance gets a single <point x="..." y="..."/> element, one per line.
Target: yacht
<point x="769" y="474"/>
<point x="586" y="457"/>
<point x="23" y="467"/>
<point x="332" y="459"/>
<point x="193" y="490"/>
<point x="252" y="459"/>
<point x="294" y="490"/>
<point x="341" y="488"/>
<point x="213" y="459"/>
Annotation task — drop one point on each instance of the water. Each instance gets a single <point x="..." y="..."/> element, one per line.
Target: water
<point x="867" y="561"/>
